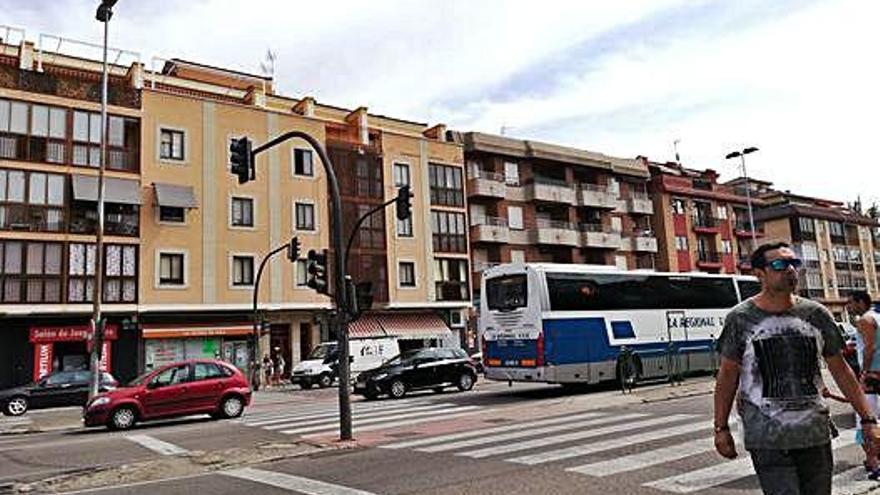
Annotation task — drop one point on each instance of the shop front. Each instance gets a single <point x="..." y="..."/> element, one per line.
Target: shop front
<point x="66" y="348"/>
<point x="165" y="344"/>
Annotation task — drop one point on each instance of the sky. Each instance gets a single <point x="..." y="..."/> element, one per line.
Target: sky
<point x="800" y="80"/>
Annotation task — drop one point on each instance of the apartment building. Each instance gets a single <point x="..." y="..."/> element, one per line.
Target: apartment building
<point x="840" y="247"/>
<point x="185" y="240"/>
<point x="701" y="224"/>
<point x="537" y="202"/>
<point x="50" y="128"/>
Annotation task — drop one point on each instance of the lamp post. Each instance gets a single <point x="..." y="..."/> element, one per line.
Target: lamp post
<point x="742" y="155"/>
<point x="103" y="14"/>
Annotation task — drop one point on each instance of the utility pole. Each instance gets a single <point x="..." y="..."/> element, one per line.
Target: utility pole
<point x="103" y="14"/>
<point x="742" y="155"/>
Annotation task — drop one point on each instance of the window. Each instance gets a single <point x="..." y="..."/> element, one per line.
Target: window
<point x="207" y="371"/>
<point x="406" y="271"/>
<point x="30" y="272"/>
<point x="447" y="188"/>
<point x="401" y="175"/>
<point x="305" y="216"/>
<point x="590" y="292"/>
<point x="806" y="224"/>
<point x="507" y="292"/>
<point x="242" y="212"/>
<point x="405" y="227"/>
<point x="810" y="253"/>
<point x="517" y="256"/>
<point x="171" y="145"/>
<point x="123" y="135"/>
<point x="511" y="173"/>
<point x="452" y="279"/>
<point x="836" y="229"/>
<point x="678" y="206"/>
<point x="31" y="201"/>
<point x="722" y="212"/>
<point x="515" y="217"/>
<point x="39" y="132"/>
<point x="448" y="234"/>
<point x="726" y="246"/>
<point x="681" y="243"/>
<point x="171" y="376"/>
<point x="302" y="272"/>
<point x="371" y="233"/>
<point x="242" y="271"/>
<point x="120" y="270"/>
<point x="171" y="270"/>
<point x="302" y="162"/>
<point x="172" y="214"/>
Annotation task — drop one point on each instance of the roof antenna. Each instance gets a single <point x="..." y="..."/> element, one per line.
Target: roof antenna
<point x="675" y="147"/>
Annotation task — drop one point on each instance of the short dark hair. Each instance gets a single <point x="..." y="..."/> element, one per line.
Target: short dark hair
<point x="758" y="260"/>
<point x="861" y="296"/>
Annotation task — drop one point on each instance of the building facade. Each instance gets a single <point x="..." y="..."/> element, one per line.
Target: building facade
<point x="839" y="246"/>
<point x="184" y="240"/>
<point x="538" y="202"/>
<point x="701" y="224"/>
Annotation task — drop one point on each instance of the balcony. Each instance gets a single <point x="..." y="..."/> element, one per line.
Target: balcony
<point x="121" y="220"/>
<point x="486" y="184"/>
<point x="709" y="260"/>
<point x="638" y="204"/>
<point x="31" y="218"/>
<point x="490" y="229"/>
<point x="549" y="190"/>
<point x="599" y="236"/>
<point x="745" y="229"/>
<point x="596" y="196"/>
<point x="555" y="233"/>
<point x="641" y="241"/>
<point x="706" y="224"/>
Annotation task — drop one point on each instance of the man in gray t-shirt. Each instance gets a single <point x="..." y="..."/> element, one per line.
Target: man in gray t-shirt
<point x="771" y="348"/>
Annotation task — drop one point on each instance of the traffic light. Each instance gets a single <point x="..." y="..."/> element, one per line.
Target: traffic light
<point x="317" y="268"/>
<point x="241" y="162"/>
<point x="403" y="203"/>
<point x="293" y="250"/>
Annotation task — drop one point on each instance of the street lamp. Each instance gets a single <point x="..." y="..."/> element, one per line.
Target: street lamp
<point x="103" y="14"/>
<point x="742" y="155"/>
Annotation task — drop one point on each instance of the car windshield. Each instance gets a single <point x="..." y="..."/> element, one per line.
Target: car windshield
<point x="139" y="379"/>
<point x="322" y="351"/>
<point x="400" y="358"/>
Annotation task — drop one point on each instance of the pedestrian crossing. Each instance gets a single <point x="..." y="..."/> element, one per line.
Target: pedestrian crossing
<point x="323" y="419"/>
<point x="602" y="444"/>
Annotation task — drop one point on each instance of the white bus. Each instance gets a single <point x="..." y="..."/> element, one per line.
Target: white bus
<point x="566" y="324"/>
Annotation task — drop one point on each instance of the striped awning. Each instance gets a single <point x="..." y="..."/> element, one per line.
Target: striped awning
<point x="401" y="325"/>
<point x="367" y="326"/>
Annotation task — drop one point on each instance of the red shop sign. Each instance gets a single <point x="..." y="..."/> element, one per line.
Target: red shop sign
<point x="69" y="333"/>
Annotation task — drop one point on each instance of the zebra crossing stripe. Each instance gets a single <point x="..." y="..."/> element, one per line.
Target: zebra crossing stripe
<point x="383" y="419"/>
<point x="578" y="435"/>
<point x="615" y="443"/>
<point x="726" y="472"/>
<point x="252" y="418"/>
<point x="646" y="459"/>
<point x="409" y="422"/>
<point x="322" y="418"/>
<point x="488" y="431"/>
<point x="528" y="433"/>
<point x="852" y="482"/>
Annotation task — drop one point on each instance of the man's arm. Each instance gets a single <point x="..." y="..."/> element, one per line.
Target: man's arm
<point x="866" y="329"/>
<point x="848" y="384"/>
<point x="725" y="391"/>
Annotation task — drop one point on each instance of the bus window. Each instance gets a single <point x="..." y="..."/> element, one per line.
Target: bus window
<point x="700" y="293"/>
<point x="507" y="292"/>
<point x="748" y="288"/>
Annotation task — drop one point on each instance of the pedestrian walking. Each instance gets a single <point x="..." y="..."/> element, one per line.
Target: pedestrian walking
<point x="771" y="348"/>
<point x="267" y="369"/>
<point x="868" y="353"/>
<point x="279" y="365"/>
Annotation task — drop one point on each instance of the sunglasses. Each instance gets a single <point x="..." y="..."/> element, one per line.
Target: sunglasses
<point x="782" y="264"/>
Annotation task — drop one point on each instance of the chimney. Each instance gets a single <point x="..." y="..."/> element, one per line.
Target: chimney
<point x="26" y="56"/>
<point x="305" y="107"/>
<point x="438" y="132"/>
<point x="255" y="96"/>
<point x="358" y="119"/>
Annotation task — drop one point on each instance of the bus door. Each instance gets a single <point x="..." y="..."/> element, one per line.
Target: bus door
<point x="677" y="333"/>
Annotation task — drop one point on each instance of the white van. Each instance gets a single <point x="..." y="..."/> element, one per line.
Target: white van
<point x="320" y="367"/>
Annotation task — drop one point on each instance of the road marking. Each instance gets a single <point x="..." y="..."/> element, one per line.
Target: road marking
<point x="409" y="422"/>
<point x="301" y="412"/>
<point x="323" y="418"/>
<point x="726" y="472"/>
<point x="579" y="435"/>
<point x="646" y="459"/>
<point x="381" y="419"/>
<point x="529" y="433"/>
<point x="156" y="445"/>
<point x="499" y="429"/>
<point x="292" y="483"/>
<point x="852" y="482"/>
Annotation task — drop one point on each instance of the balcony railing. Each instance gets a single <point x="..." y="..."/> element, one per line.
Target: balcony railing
<point x="705" y="222"/>
<point x="548" y="181"/>
<point x="490" y="229"/>
<point x="486" y="175"/>
<point x="596" y="196"/>
<point x="492" y="221"/>
<point x="555" y="224"/>
<point x="480" y="266"/>
<point x="549" y="190"/>
<point x="708" y="257"/>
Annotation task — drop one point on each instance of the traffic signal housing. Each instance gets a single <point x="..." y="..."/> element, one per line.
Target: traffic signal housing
<point x="293" y="250"/>
<point x="317" y="268"/>
<point x="403" y="204"/>
<point x="241" y="160"/>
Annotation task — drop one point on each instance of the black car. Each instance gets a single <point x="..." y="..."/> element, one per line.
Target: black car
<point x="434" y="368"/>
<point x="63" y="388"/>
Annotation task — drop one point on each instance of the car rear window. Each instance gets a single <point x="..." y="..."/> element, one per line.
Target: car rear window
<point x="207" y="371"/>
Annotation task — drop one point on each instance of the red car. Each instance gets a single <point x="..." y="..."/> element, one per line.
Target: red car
<point x="180" y="389"/>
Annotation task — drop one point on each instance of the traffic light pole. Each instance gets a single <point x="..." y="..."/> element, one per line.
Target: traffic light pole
<point x="340" y="294"/>
<point x="357" y="225"/>
<point x="255" y="349"/>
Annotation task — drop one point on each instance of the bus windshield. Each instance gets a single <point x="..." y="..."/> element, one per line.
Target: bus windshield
<point x="507" y="292"/>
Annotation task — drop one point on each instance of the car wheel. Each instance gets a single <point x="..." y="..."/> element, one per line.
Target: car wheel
<point x="16" y="406"/>
<point x="123" y="418"/>
<point x="305" y="385"/>
<point x="465" y="382"/>
<point x="397" y="389"/>
<point x="232" y="407"/>
<point x="438" y="390"/>
<point x="325" y="380"/>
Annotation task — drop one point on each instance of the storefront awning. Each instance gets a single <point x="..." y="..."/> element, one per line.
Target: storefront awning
<point x="175" y="196"/>
<point x="414" y="325"/>
<point x="120" y="191"/>
<point x="365" y="327"/>
<point x="156" y="331"/>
